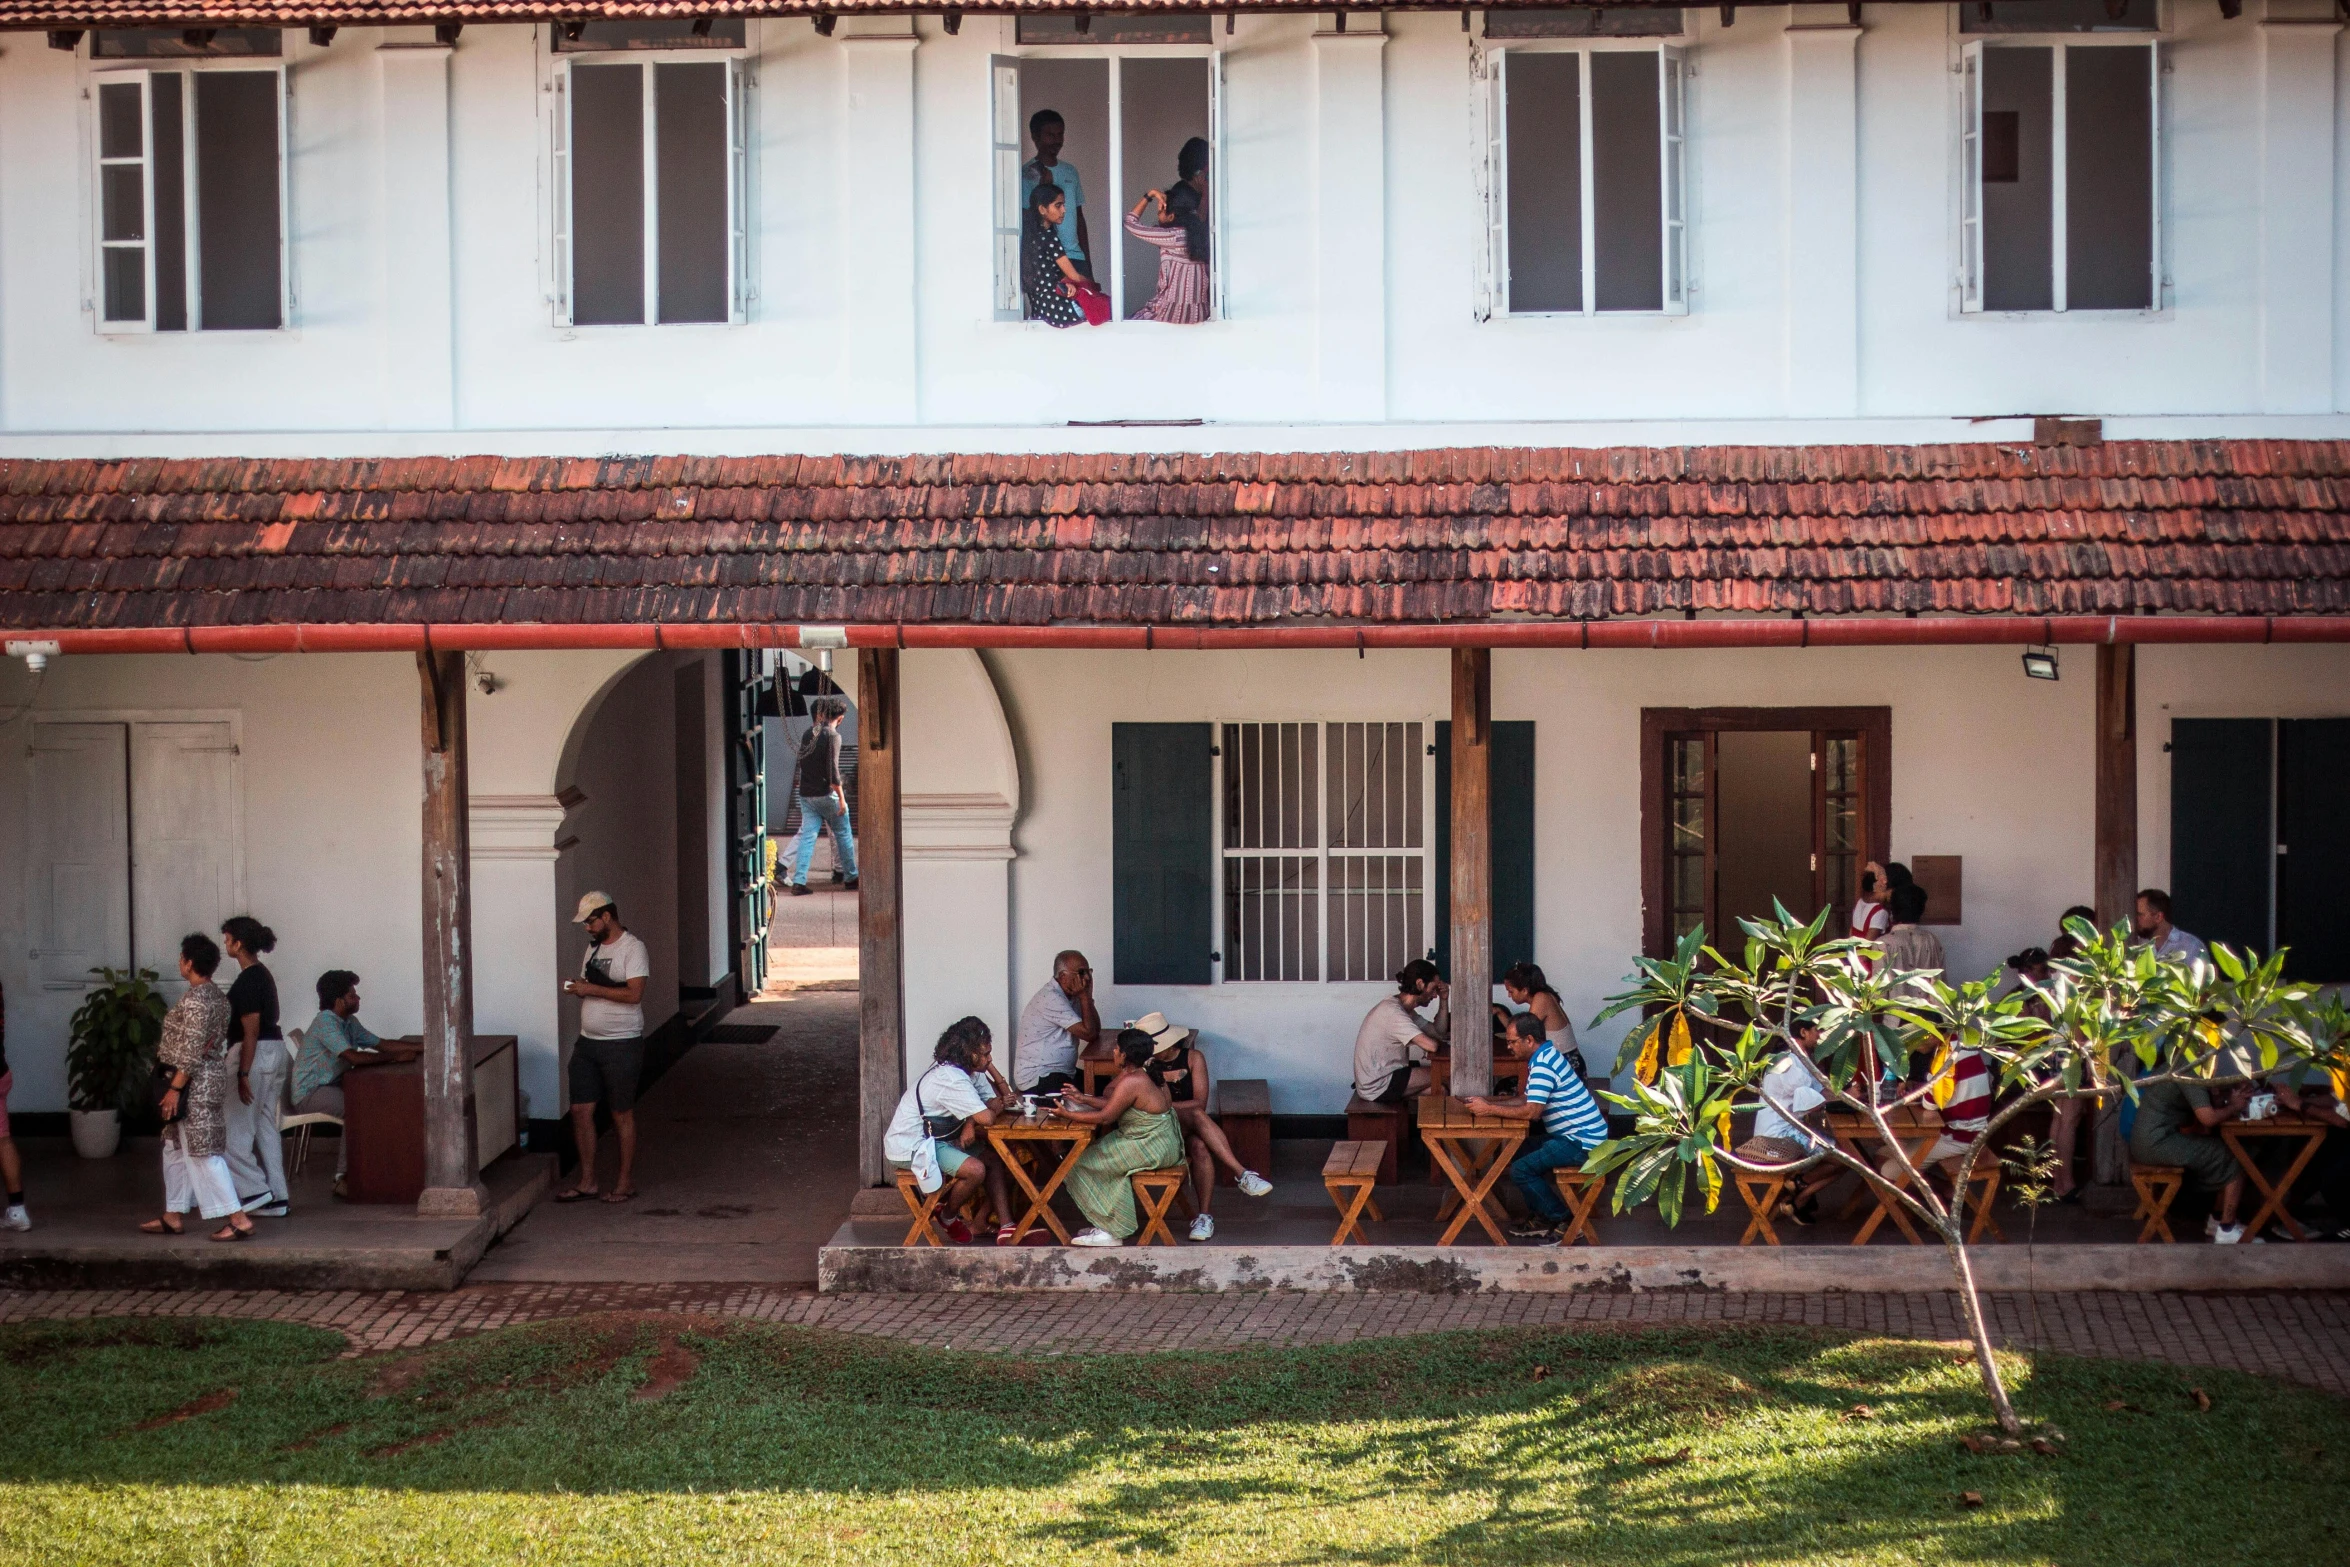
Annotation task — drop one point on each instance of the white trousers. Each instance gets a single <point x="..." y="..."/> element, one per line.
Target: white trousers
<point x="202" y="1184"/>
<point x="256" y="1149"/>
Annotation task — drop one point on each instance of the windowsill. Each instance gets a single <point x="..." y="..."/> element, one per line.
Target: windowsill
<point x="2163" y="314"/>
<point x="566" y="334"/>
<point x="1587" y="317"/>
<point x="113" y="334"/>
<point x="1112" y="326"/>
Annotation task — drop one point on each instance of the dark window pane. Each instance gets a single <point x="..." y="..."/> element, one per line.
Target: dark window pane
<point x="651" y="33"/>
<point x="2058" y="16"/>
<point x="126" y="283"/>
<point x="2109" y="179"/>
<point x="2017" y="221"/>
<point x="607" y="195"/>
<point x="1545" y="153"/>
<point x="167" y="90"/>
<point x="119" y="131"/>
<point x="122" y="197"/>
<point x="1627" y="202"/>
<point x="237" y="200"/>
<point x="689" y="108"/>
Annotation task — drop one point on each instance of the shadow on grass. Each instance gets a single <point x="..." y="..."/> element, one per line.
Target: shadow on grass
<point x="1690" y="1445"/>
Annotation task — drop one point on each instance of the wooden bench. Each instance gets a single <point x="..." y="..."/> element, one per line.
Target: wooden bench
<point x="1349" y="1174"/>
<point x="1380" y="1124"/>
<point x="1761" y="1194"/>
<point x="1154" y="1194"/>
<point x="2158" y="1186"/>
<point x="925" y="1231"/>
<point x="1244" y="1109"/>
<point x="1982" y="1192"/>
<point x="1580" y="1192"/>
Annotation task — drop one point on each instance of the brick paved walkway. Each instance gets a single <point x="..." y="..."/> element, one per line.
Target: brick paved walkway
<point x="2304" y="1337"/>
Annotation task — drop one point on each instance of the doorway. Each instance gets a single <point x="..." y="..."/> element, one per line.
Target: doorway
<point x="1743" y="809"/>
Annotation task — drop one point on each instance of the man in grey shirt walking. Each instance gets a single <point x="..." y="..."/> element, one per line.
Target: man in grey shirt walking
<point x="824" y="807"/>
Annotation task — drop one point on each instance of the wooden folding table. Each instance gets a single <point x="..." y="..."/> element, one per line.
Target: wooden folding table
<point x="1918" y="1128"/>
<point x="2311" y="1129"/>
<point x="1472" y="1150"/>
<point x="1013" y="1138"/>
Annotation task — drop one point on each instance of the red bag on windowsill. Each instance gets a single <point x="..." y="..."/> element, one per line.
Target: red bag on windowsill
<point x="1094" y="303"/>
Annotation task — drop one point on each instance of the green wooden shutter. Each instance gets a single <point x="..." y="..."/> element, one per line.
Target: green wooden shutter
<point x="1161" y="856"/>
<point x="2313" y="864"/>
<point x="2221" y="839"/>
<point x="1513" y="846"/>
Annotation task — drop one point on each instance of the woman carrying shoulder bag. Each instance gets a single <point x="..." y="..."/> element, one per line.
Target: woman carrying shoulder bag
<point x="938" y="1129"/>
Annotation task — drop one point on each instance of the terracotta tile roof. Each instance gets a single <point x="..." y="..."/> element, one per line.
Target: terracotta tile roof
<point x="28" y="14"/>
<point x="2214" y="528"/>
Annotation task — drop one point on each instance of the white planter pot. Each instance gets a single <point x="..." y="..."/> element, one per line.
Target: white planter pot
<point x="96" y="1133"/>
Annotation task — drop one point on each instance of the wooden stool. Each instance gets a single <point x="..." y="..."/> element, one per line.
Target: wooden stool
<point x="1382" y="1124"/>
<point x="1154" y="1194"/>
<point x="1349" y="1174"/>
<point x="1982" y="1191"/>
<point x="2158" y="1187"/>
<point x="1244" y="1110"/>
<point x="1580" y="1192"/>
<point x="924" y="1206"/>
<point x="1761" y="1193"/>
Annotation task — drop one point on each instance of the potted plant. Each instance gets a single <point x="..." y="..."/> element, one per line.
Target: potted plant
<point x="109" y="1056"/>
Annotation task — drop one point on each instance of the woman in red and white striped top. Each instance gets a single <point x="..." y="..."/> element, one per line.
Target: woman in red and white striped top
<point x="1180" y="232"/>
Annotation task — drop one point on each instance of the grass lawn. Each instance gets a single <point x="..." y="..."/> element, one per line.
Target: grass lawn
<point x="661" y="1439"/>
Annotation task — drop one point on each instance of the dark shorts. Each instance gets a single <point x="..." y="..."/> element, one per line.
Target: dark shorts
<point x="1398" y="1089"/>
<point x="607" y="1069"/>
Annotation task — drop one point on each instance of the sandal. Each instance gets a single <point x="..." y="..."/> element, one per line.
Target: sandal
<point x="618" y="1194"/>
<point x="162" y="1227"/>
<point x="229" y="1232"/>
<point x="577" y="1194"/>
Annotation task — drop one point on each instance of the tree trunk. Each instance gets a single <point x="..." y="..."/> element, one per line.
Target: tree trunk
<point x="1977" y="1328"/>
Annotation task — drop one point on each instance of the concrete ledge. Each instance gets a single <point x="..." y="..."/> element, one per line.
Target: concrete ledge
<point x="1466" y="1270"/>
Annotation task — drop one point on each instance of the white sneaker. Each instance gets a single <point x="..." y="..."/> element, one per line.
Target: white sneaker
<point x="2210" y="1225"/>
<point x="1093" y="1237"/>
<point x="17" y="1219"/>
<point x="1203" y="1228"/>
<point x="1253" y="1184"/>
<point x="2227" y="1235"/>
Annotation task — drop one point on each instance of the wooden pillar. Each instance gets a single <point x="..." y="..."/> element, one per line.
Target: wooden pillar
<point x="2117" y="841"/>
<point x="1472" y="870"/>
<point x="881" y="947"/>
<point x="452" y="1185"/>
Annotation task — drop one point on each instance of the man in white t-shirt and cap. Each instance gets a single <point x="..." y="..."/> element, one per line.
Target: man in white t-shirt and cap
<point x="609" y="1057"/>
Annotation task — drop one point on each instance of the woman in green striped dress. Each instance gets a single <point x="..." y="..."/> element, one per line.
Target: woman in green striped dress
<point x="1143" y="1135"/>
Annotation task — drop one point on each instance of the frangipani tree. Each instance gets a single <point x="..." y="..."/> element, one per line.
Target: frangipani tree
<point x="2115" y="1018"/>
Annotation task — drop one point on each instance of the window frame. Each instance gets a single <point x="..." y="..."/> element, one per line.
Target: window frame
<point x="1324" y="853"/>
<point x="1967" y="73"/>
<point x="1004" y="190"/>
<point x="741" y="62"/>
<point x="100" y="73"/>
<point x="1489" y="73"/>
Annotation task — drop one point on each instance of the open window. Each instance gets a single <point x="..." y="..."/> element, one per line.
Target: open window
<point x="2060" y="161"/>
<point x="190" y="181"/>
<point x="651" y="141"/>
<point x="1585" y="187"/>
<point x="1741" y="807"/>
<point x="1128" y="94"/>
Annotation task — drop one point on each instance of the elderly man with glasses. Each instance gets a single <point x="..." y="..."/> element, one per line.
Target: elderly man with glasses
<point x="1058" y="1022"/>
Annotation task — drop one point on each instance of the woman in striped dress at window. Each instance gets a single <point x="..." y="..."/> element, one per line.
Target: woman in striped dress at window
<point x="1180" y="232"/>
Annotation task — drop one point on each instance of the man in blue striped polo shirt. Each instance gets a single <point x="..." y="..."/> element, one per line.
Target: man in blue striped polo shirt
<point x="1570" y="1122"/>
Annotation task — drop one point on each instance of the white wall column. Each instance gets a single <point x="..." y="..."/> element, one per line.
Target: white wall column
<point x="418" y="289"/>
<point x="2297" y="216"/>
<point x="1823" y="222"/>
<point x="879" y="381"/>
<point x="1350" y="221"/>
<point x="516" y="986"/>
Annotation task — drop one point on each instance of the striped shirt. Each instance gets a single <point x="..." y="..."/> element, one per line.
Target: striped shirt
<point x="1969" y="1110"/>
<point x="1568" y="1110"/>
<point x="1182" y="299"/>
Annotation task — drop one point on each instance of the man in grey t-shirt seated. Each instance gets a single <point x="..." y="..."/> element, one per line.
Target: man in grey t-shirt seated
<point x="1057" y="1023"/>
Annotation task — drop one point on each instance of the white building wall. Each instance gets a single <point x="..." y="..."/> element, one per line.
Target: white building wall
<point x="1823" y="215"/>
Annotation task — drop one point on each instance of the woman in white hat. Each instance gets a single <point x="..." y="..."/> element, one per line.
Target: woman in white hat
<point x="1178" y="1065"/>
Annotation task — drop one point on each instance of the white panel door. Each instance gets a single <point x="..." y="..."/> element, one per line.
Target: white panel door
<point x="184" y="836"/>
<point x="77" y="873"/>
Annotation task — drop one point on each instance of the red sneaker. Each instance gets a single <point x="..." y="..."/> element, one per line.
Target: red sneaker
<point x="958" y="1232"/>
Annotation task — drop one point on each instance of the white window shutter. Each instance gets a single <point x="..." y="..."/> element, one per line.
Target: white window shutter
<point x="1672" y="97"/>
<point x="1488" y="113"/>
<point x="1004" y="74"/>
<point x="1970" y="179"/>
<point x="561" y="164"/>
<point x="2157" y="57"/>
<point x="124" y="164"/>
<point x="1219" y="236"/>
<point x="738" y="189"/>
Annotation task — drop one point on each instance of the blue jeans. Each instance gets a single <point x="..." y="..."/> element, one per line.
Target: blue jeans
<point x="823" y="814"/>
<point x="1531" y="1170"/>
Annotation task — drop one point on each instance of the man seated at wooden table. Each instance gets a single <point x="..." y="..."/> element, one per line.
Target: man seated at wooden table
<point x="1792" y="1095"/>
<point x="1568" y="1117"/>
<point x="335" y="1042"/>
<point x="1394" y="1043"/>
<point x="1966" y="1110"/>
<point x="2329" y="1172"/>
